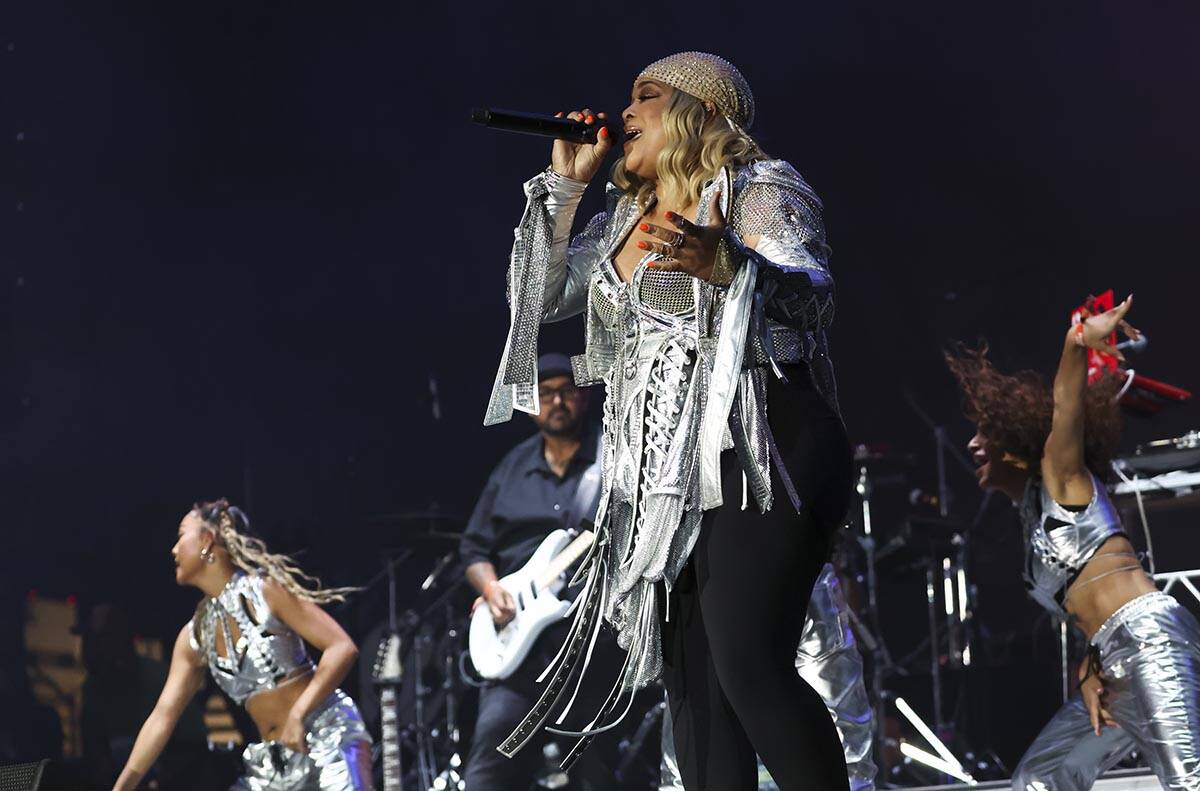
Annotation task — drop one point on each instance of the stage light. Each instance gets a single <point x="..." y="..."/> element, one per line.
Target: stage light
<point x="927" y="733"/>
<point x="933" y="762"/>
<point x="947" y="587"/>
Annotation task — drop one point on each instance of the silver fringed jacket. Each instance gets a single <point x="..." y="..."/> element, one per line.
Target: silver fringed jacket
<point x="683" y="361"/>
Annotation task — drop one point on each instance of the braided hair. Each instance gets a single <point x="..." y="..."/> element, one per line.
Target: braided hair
<point x="231" y="527"/>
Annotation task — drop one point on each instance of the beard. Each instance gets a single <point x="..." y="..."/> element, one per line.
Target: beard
<point x="561" y="423"/>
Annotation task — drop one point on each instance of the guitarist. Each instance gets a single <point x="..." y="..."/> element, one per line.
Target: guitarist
<point x="549" y="481"/>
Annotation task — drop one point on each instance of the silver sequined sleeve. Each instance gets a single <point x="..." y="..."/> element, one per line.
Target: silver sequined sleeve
<point x="547" y="281"/>
<point x="570" y="261"/>
<point x="792" y="253"/>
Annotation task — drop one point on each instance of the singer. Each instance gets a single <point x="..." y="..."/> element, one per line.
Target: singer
<point x="1049" y="452"/>
<point x="707" y="295"/>
<point x="249" y="632"/>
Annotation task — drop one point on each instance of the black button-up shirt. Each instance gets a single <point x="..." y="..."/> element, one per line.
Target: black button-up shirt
<point x="524" y="501"/>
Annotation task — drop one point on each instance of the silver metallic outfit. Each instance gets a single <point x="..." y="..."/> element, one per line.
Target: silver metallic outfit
<point x="684" y="364"/>
<point x="829" y="661"/>
<point x="1150" y="655"/>
<point x="266" y="653"/>
<point x="338" y="758"/>
<point x="1059" y="542"/>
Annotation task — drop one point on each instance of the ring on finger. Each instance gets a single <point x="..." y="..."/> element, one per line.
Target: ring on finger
<point x="679" y="241"/>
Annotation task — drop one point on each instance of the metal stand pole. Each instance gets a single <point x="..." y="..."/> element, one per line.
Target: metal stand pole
<point x="881" y="660"/>
<point x="935" y="665"/>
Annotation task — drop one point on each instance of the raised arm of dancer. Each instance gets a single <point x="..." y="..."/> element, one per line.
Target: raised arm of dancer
<point x="1063" y="470"/>
<point x="184" y="680"/>
<point x="338" y="654"/>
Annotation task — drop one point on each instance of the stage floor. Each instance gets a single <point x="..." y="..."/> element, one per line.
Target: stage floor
<point x="1128" y="780"/>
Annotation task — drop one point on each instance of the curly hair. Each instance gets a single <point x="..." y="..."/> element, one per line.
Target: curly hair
<point x="1014" y="411"/>
<point x="695" y="151"/>
<point x="231" y="527"/>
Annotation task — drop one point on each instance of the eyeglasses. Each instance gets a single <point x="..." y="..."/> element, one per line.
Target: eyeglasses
<point x="565" y="392"/>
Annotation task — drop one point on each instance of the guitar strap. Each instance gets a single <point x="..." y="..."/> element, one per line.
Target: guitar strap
<point x="587" y="493"/>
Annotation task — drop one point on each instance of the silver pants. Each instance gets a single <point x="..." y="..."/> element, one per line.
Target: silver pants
<point x="828" y="660"/>
<point x="1150" y="654"/>
<point x="338" y="759"/>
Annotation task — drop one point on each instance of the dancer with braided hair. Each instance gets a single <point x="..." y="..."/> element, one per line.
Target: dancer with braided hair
<point x="250" y="632"/>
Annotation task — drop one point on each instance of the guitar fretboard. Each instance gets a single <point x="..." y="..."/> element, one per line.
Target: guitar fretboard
<point x="390" y="735"/>
<point x="563" y="560"/>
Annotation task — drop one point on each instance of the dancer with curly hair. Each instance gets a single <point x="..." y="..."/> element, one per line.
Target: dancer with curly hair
<point x="1049" y="451"/>
<point x="250" y="632"/>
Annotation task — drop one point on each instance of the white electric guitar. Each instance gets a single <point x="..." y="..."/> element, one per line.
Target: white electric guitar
<point x="498" y="652"/>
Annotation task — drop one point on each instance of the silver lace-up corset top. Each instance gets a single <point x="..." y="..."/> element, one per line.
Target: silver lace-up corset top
<point x="258" y="651"/>
<point x="1059" y="542"/>
<point x="664" y="293"/>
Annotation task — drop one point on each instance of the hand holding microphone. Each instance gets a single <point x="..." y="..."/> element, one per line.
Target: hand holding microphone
<point x="581" y="161"/>
<point x="581" y="138"/>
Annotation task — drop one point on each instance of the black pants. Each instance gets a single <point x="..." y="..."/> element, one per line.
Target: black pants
<point x="738" y="609"/>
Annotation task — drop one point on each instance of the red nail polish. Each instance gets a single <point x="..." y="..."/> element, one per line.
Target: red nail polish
<point x="604" y="132"/>
<point x="670" y="215"/>
<point x="643" y="227"/>
<point x="591" y="118"/>
<point x="642" y="245"/>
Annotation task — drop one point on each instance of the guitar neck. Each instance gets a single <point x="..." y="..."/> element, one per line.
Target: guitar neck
<point x="563" y="560"/>
<point x="390" y="736"/>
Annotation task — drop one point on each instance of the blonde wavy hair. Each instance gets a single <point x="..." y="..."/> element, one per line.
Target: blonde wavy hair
<point x="695" y="151"/>
<point x="229" y="524"/>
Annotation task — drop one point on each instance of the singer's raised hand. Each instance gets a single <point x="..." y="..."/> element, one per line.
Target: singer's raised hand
<point x="581" y="161"/>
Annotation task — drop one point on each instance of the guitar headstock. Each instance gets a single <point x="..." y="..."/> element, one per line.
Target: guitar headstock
<point x="387" y="668"/>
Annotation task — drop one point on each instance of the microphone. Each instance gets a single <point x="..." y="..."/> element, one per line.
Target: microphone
<point x="1137" y="344"/>
<point x="444" y="561"/>
<point x="537" y="125"/>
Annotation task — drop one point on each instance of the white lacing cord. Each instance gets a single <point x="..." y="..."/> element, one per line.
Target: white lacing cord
<point x="666" y="382"/>
<point x="1137" y="493"/>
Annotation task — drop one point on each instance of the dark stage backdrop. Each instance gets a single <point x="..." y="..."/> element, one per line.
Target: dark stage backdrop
<point x="240" y="239"/>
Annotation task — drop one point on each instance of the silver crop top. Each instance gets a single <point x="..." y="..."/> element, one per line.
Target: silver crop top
<point x="1059" y="542"/>
<point x="266" y="652"/>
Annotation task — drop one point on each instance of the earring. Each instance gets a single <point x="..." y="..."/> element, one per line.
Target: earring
<point x="207" y="555"/>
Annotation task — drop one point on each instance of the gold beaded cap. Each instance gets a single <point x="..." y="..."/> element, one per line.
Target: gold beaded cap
<point x="707" y="77"/>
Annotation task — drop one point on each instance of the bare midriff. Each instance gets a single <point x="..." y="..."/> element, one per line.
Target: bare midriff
<point x="1111" y="579"/>
<point x="270" y="708"/>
